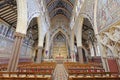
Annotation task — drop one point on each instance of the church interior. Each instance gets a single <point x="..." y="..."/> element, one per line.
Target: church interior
<point x="59" y="39"/>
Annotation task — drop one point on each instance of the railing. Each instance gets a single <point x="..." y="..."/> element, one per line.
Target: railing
<point x="55" y="60"/>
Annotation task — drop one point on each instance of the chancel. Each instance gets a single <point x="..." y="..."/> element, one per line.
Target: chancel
<point x="60" y="39"/>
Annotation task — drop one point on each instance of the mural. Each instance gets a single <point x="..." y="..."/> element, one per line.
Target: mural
<point x="108" y="13"/>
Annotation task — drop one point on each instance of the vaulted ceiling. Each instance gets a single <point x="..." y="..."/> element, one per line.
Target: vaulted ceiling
<point x="63" y="7"/>
<point x="8" y="9"/>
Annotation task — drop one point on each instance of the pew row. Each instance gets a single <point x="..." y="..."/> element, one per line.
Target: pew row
<point x="24" y="76"/>
<point x="97" y="78"/>
<point x="77" y="71"/>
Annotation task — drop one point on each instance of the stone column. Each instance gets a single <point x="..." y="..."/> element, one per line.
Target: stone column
<point x="39" y="55"/>
<point x="47" y="45"/>
<point x="105" y="64"/>
<point x="72" y="51"/>
<point x="117" y="61"/>
<point x="12" y="66"/>
<point x="80" y="55"/>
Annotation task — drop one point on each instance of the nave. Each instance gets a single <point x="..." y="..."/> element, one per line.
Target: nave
<point x="53" y="71"/>
<point x="59" y="40"/>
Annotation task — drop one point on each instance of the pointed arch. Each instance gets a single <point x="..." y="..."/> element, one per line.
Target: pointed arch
<point x="59" y="35"/>
<point x="57" y="31"/>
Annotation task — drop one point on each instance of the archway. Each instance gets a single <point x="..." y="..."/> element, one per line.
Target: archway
<point x="75" y="48"/>
<point x="88" y="40"/>
<point x="59" y="50"/>
<point x="31" y="38"/>
<point x="63" y="32"/>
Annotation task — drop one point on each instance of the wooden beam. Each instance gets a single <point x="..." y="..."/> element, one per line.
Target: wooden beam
<point x="9" y="16"/>
<point x="3" y="6"/>
<point x="11" y="19"/>
<point x="7" y="7"/>
<point x="3" y="3"/>
<point x="1" y="20"/>
<point x="5" y="21"/>
<point x="5" y="11"/>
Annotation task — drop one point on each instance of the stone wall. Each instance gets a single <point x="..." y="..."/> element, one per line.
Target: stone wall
<point x="6" y="48"/>
<point x="7" y="40"/>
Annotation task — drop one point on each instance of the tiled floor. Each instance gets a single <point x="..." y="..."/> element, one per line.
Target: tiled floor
<point x="60" y="73"/>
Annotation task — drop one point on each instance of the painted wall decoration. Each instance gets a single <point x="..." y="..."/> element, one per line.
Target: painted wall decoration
<point x="107" y="13"/>
<point x="6" y="42"/>
<point x="33" y="9"/>
<point x="88" y="11"/>
<point x="78" y="6"/>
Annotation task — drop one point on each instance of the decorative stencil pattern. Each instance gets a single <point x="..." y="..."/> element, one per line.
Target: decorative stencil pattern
<point x="108" y="13"/>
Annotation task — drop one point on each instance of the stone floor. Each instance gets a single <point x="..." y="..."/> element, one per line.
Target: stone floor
<point x="60" y="73"/>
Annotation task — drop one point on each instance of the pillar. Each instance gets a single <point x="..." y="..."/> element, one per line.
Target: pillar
<point x="80" y="54"/>
<point x="12" y="66"/>
<point x="105" y="64"/>
<point x="103" y="54"/>
<point x="104" y="61"/>
<point x="72" y="51"/>
<point x="78" y="32"/>
<point x="47" y="45"/>
<point x="39" y="55"/>
<point x="117" y="61"/>
<point x="20" y="33"/>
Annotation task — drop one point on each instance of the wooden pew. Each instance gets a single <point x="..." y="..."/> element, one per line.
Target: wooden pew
<point x="97" y="78"/>
<point x="37" y="71"/>
<point x="77" y="67"/>
<point x="24" y="76"/>
<point x="77" y="71"/>
<point x="93" y="75"/>
<point x="20" y="78"/>
<point x="3" y="67"/>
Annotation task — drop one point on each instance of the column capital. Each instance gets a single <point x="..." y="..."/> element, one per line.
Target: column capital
<point x="39" y="47"/>
<point x="18" y="34"/>
<point x="79" y="46"/>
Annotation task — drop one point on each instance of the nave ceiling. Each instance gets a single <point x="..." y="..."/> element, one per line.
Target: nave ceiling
<point x="63" y="7"/>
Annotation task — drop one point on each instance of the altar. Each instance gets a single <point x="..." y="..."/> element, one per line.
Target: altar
<point x="59" y="59"/>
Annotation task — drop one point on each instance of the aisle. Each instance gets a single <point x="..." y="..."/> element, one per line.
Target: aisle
<point x="60" y="73"/>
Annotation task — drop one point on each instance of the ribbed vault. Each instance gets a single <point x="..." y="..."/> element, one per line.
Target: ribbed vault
<point x="63" y="7"/>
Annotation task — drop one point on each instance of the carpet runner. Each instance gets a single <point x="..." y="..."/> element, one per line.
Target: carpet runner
<point x="60" y="73"/>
